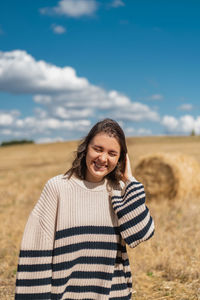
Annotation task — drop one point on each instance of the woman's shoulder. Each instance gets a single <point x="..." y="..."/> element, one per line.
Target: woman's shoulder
<point x="57" y="180"/>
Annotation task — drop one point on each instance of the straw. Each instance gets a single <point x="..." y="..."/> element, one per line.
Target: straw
<point x="170" y="176"/>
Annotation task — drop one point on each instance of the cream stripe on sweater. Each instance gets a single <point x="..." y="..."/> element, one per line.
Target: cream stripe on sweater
<point x="74" y="243"/>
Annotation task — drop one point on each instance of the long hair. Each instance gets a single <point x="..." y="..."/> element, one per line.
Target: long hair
<point x="111" y="128"/>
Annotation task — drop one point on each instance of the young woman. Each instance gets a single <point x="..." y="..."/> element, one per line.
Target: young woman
<point x="74" y="243"/>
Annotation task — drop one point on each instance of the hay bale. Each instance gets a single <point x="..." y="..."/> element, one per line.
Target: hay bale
<point x="169" y="176"/>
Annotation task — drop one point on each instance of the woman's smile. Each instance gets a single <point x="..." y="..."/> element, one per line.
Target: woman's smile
<point x="100" y="167"/>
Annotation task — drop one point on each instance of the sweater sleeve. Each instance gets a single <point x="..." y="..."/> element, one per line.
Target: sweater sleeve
<point x="135" y="222"/>
<point x="34" y="273"/>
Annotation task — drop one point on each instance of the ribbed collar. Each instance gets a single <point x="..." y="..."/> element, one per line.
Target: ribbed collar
<point x="92" y="186"/>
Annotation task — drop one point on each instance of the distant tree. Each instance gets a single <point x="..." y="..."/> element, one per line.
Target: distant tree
<point x="193" y="132"/>
<point x="16" y="142"/>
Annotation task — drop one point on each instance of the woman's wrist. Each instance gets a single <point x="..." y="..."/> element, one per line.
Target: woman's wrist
<point x="128" y="178"/>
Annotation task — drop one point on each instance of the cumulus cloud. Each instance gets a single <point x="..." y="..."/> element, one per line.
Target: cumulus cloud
<point x="64" y="113"/>
<point x="88" y="101"/>
<point x="136" y="112"/>
<point x="50" y="123"/>
<point x="58" y="29"/>
<point x="6" y="131"/>
<point x="49" y="140"/>
<point x="21" y="73"/>
<point x="186" y="107"/>
<point x="64" y="101"/>
<point x="137" y="132"/>
<point x="183" y="125"/>
<point x="63" y="92"/>
<point x="72" y="8"/>
<point x="117" y="3"/>
<point x="7" y="118"/>
<point x="170" y="123"/>
<point x="36" y="127"/>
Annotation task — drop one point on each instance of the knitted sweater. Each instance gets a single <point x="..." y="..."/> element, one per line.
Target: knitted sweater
<point x="74" y="243"/>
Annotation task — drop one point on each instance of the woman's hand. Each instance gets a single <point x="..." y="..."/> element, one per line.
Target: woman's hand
<point x="127" y="173"/>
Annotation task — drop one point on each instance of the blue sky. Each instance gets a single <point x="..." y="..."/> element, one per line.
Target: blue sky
<point x="66" y="64"/>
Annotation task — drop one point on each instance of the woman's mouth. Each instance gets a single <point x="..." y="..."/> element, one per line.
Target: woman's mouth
<point x="99" y="167"/>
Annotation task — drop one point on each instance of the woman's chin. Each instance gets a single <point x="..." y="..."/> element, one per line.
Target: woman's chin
<point x="96" y="176"/>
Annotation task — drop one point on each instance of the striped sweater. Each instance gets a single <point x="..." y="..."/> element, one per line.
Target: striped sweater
<point x="74" y="243"/>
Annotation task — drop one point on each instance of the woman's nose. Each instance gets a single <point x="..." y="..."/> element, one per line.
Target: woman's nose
<point x="103" y="157"/>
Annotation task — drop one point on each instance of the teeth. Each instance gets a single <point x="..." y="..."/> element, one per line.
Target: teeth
<point x="100" y="166"/>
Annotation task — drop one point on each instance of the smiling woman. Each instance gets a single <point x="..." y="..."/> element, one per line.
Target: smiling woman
<point x="102" y="153"/>
<point x="74" y="243"/>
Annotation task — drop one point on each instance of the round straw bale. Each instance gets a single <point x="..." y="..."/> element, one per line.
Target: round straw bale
<point x="169" y="176"/>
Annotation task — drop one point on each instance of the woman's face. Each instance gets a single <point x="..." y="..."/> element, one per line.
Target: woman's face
<point x="102" y="156"/>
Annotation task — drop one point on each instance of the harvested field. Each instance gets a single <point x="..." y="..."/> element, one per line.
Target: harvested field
<point x="165" y="267"/>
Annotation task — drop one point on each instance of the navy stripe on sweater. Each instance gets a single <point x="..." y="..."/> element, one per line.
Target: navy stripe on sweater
<point x="72" y="248"/>
<point x="77" y="274"/>
<point x="89" y="275"/>
<point x="121" y="298"/>
<point x="86" y="245"/>
<point x="34" y="268"/>
<point x="33" y="282"/>
<point x="83" y="260"/>
<point x="35" y="296"/>
<point x="131" y="207"/>
<point x="140" y="234"/>
<point x="69" y="264"/>
<point x="85" y="230"/>
<point x="81" y="289"/>
<point x="134" y="189"/>
<point x="35" y="253"/>
<point x="123" y="202"/>
<point x="120" y="286"/>
<point x="133" y="222"/>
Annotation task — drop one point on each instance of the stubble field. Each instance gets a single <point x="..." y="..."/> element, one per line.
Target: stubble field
<point x="165" y="267"/>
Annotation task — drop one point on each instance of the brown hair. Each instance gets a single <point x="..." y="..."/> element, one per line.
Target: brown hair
<point x="111" y="128"/>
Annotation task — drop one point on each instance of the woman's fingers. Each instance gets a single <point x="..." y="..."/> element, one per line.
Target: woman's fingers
<point x="128" y="172"/>
<point x="128" y="165"/>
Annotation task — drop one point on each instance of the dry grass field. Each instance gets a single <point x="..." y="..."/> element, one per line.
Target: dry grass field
<point x="165" y="267"/>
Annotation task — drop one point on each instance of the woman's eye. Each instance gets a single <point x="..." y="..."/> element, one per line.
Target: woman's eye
<point x="97" y="149"/>
<point x="112" y="154"/>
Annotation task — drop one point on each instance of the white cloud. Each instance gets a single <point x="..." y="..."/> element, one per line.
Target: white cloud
<point x="8" y="118"/>
<point x="40" y="125"/>
<point x="63" y="113"/>
<point x="86" y="102"/>
<point x="130" y="131"/>
<point x="49" y="140"/>
<point x="21" y="73"/>
<point x="72" y="8"/>
<point x="117" y="3"/>
<point x="62" y="92"/>
<point x="184" y="125"/>
<point x="156" y="97"/>
<point x="136" y="112"/>
<point x="58" y="29"/>
<point x="65" y="102"/>
<point x="186" y="107"/>
<point x="40" y="113"/>
<point x="6" y="131"/>
<point x="170" y="123"/>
